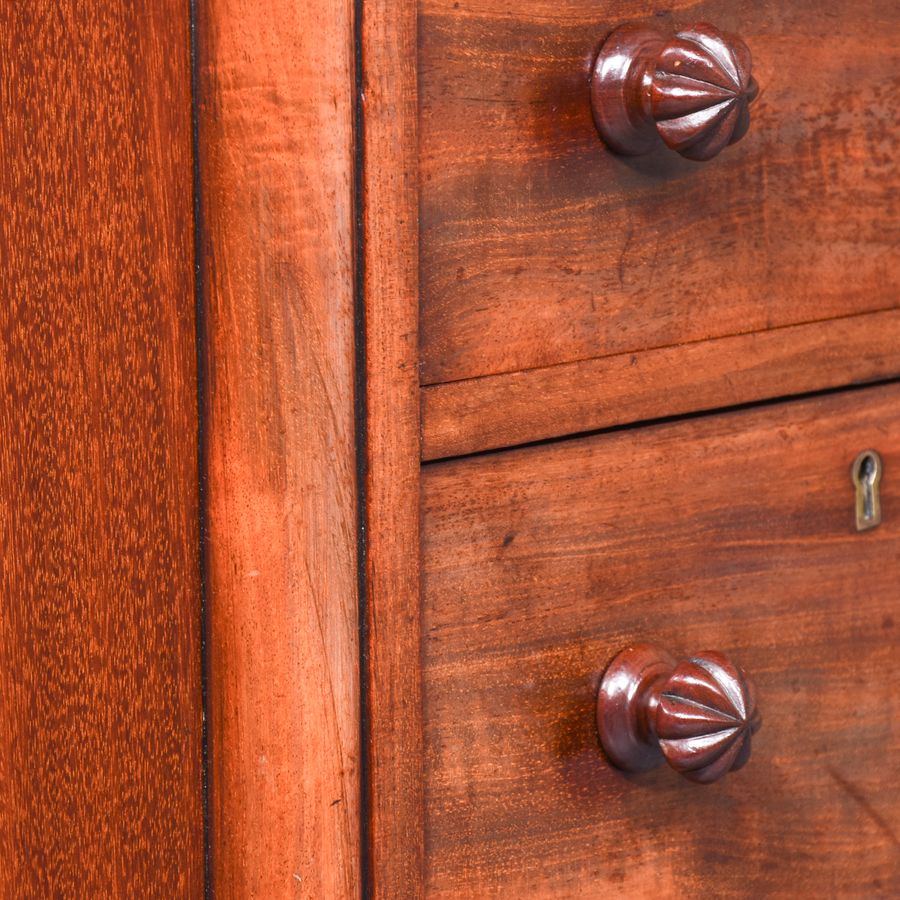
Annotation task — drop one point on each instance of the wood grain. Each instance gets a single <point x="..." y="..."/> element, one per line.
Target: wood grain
<point x="735" y="531"/>
<point x="503" y="410"/>
<point x="390" y="267"/>
<point x="100" y="696"/>
<point x="276" y="162"/>
<point x="539" y="247"/>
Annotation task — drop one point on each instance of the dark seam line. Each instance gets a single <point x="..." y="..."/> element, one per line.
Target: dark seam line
<point x="360" y="408"/>
<point x="668" y="420"/>
<point x="202" y="534"/>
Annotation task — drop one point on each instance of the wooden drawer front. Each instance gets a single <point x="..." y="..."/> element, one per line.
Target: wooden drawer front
<point x="539" y="247"/>
<point x="734" y="532"/>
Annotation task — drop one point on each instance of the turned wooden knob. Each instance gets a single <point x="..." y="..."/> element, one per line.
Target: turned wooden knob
<point x="692" y="90"/>
<point x="697" y="715"/>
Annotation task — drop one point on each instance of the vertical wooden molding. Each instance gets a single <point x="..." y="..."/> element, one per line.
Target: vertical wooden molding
<point x="390" y="235"/>
<point x="276" y="89"/>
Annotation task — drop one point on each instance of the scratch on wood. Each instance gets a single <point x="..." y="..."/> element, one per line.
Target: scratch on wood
<point x="856" y="794"/>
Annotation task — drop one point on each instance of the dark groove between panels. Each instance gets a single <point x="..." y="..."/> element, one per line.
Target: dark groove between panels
<point x="360" y="408"/>
<point x="201" y="356"/>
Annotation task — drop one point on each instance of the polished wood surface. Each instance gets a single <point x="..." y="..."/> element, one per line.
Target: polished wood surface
<point x="276" y="165"/>
<point x="691" y="90"/>
<point x="698" y="715"/>
<point x="735" y="531"/>
<point x="501" y="411"/>
<point x="540" y="247"/>
<point x="389" y="210"/>
<point x="706" y="717"/>
<point x="100" y="696"/>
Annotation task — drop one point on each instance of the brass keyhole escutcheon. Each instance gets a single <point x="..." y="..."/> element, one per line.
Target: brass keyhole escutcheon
<point x="866" y="474"/>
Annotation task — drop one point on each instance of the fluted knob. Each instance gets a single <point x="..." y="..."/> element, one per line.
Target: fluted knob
<point x="699" y="715"/>
<point x="692" y="90"/>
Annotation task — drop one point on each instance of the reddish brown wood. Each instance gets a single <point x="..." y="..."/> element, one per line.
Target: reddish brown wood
<point x="693" y="91"/>
<point x="698" y="715"/>
<point x="480" y="414"/>
<point x="540" y="247"/>
<point x="276" y="144"/>
<point x="390" y="265"/>
<point x="100" y="699"/>
<point x="733" y="530"/>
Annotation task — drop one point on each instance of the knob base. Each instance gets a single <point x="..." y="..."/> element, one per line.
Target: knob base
<point x="626" y="707"/>
<point x="620" y="89"/>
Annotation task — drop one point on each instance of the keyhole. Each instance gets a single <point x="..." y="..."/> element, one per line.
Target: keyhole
<point x="867" y="483"/>
<point x="867" y="478"/>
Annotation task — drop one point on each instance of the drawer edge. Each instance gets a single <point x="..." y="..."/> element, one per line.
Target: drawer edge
<point x="471" y="416"/>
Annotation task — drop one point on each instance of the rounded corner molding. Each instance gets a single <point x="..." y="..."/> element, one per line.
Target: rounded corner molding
<point x="698" y="715"/>
<point x="692" y="91"/>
